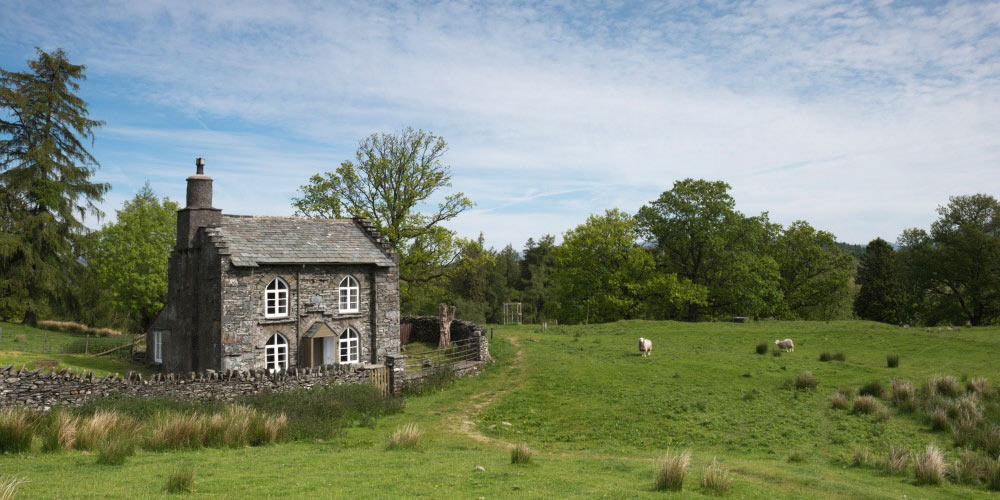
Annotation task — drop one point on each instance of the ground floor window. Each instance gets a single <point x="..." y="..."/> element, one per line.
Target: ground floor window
<point x="349" y="346"/>
<point x="157" y="346"/>
<point x="276" y="353"/>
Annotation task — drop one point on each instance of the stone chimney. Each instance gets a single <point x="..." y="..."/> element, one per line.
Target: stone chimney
<point x="199" y="212"/>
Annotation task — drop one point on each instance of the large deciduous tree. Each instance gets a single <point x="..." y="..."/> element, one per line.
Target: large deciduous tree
<point x="954" y="270"/>
<point x="701" y="237"/>
<point x="815" y="272"/>
<point x="45" y="177"/>
<point x="392" y="175"/>
<point x="130" y="258"/>
<point x="879" y="295"/>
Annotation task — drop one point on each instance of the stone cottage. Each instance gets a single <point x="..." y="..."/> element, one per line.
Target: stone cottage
<point x="262" y="292"/>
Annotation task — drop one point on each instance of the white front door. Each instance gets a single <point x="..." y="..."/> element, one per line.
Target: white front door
<point x="329" y="350"/>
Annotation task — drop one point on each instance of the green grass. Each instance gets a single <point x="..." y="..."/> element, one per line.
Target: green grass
<point x="598" y="416"/>
<point x="99" y="365"/>
<point x="54" y="342"/>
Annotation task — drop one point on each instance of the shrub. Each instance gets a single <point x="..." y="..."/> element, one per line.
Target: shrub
<point x="716" y="480"/>
<point x="805" y="380"/>
<point x="840" y="401"/>
<point x="892" y="360"/>
<point x="944" y="385"/>
<point x="762" y="348"/>
<point x="180" y="481"/>
<point x="825" y="356"/>
<point x="873" y="388"/>
<point x="17" y="427"/>
<point x="866" y="405"/>
<point x="114" y="450"/>
<point x="520" y="454"/>
<point x="862" y="457"/>
<point x="968" y="469"/>
<point x="897" y="460"/>
<point x="903" y="394"/>
<point x="981" y="387"/>
<point x="671" y="469"/>
<point x="9" y="486"/>
<point x="939" y="419"/>
<point x="929" y="466"/>
<point x="60" y="432"/>
<point x="406" y="436"/>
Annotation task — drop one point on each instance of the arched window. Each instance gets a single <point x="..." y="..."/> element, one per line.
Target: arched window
<point x="349" y="295"/>
<point x="276" y="299"/>
<point x="276" y="353"/>
<point x="348" y="346"/>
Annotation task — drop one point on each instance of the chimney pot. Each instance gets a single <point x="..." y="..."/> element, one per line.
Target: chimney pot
<point x="200" y="163"/>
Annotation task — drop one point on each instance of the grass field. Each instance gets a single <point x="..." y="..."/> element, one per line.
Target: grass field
<point x="23" y="345"/>
<point x="596" y="415"/>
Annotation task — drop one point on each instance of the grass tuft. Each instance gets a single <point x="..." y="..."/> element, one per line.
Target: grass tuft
<point x="96" y="428"/>
<point x="405" y="436"/>
<point x="60" y="432"/>
<point x="867" y="405"/>
<point x="805" y="380"/>
<point x="929" y="466"/>
<point x="938" y="418"/>
<point x="862" y="457"/>
<point x="903" y="394"/>
<point x="716" y="480"/>
<point x="114" y="450"/>
<point x="762" y="348"/>
<point x="839" y="356"/>
<point x="981" y="387"/>
<point x="520" y="454"/>
<point x="840" y="401"/>
<point x="944" y="385"/>
<point x="9" y="486"/>
<point x="991" y="473"/>
<point x="797" y="457"/>
<point x="671" y="469"/>
<point x="180" y="481"/>
<point x="873" y="388"/>
<point x="825" y="356"/>
<point x="17" y="427"/>
<point x="897" y="460"/>
<point x="970" y="468"/>
<point x="892" y="360"/>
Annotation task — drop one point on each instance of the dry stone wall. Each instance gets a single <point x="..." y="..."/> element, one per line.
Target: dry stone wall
<point x="42" y="390"/>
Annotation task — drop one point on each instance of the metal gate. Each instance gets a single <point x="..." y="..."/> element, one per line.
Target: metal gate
<point x="379" y="378"/>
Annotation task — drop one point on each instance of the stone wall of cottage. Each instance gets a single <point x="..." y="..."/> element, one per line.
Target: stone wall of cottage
<point x="314" y="295"/>
<point x="42" y="390"/>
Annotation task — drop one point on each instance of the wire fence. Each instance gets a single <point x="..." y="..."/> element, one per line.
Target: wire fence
<point x="431" y="362"/>
<point x="27" y="339"/>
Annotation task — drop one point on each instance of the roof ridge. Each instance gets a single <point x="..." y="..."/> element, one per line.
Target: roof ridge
<point x="286" y="217"/>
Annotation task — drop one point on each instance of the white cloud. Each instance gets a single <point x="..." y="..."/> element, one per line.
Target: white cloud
<point x="858" y="117"/>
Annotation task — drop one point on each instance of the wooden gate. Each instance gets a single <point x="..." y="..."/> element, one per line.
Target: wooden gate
<point x="404" y="333"/>
<point x="379" y="378"/>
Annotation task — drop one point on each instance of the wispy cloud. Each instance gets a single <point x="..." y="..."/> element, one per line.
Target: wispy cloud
<point x="857" y="116"/>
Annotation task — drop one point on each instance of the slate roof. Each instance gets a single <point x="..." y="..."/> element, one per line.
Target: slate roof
<point x="254" y="240"/>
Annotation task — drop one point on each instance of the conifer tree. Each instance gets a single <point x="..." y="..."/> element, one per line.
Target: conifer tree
<point x="879" y="298"/>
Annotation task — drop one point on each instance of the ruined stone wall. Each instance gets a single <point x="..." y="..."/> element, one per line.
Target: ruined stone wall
<point x="42" y="390"/>
<point x="428" y="329"/>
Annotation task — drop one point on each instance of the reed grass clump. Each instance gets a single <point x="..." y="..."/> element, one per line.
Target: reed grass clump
<point x="762" y="348"/>
<point x="968" y="469"/>
<point x="862" y="457"/>
<point x="9" y="486"/>
<point x="840" y="401"/>
<point x="873" y="388"/>
<point x="671" y="470"/>
<point x="180" y="481"/>
<point x="897" y="460"/>
<point x="59" y="433"/>
<point x="806" y="381"/>
<point x="114" y="450"/>
<point x="944" y="385"/>
<point x="892" y="360"/>
<point x="407" y="436"/>
<point x="520" y="454"/>
<point x="825" y="356"/>
<point x="929" y="466"/>
<point x="903" y="395"/>
<point x="938" y="418"/>
<point x="867" y="405"/>
<point x="17" y="427"/>
<point x="92" y="430"/>
<point x="715" y="480"/>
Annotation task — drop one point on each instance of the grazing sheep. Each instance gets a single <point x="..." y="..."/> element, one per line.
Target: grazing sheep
<point x="645" y="346"/>
<point x="785" y="345"/>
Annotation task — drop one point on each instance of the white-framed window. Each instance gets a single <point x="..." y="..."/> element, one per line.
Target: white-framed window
<point x="349" y="291"/>
<point x="157" y="346"/>
<point x="276" y="353"/>
<point x="348" y="346"/>
<point x="276" y="299"/>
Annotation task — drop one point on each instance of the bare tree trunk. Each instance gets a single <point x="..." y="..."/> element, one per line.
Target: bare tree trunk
<point x="446" y="315"/>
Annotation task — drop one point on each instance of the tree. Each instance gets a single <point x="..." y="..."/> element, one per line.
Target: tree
<point x="130" y="258"/>
<point x="537" y="274"/>
<point x="880" y="296"/>
<point x="391" y="176"/>
<point x="954" y="271"/>
<point x="45" y="175"/>
<point x="815" y="272"/>
<point x="699" y="235"/>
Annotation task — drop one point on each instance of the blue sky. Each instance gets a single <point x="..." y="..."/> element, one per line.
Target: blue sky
<point x="859" y="117"/>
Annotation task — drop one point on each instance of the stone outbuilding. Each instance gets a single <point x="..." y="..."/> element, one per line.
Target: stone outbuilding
<point x="263" y="292"/>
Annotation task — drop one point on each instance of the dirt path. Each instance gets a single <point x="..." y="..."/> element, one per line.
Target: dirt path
<point x="464" y="422"/>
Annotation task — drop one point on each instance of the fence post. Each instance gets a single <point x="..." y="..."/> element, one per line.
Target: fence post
<point x="86" y="344"/>
<point x="45" y="341"/>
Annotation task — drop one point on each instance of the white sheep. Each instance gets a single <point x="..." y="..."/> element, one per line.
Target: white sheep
<point x="785" y="345"/>
<point x="645" y="346"/>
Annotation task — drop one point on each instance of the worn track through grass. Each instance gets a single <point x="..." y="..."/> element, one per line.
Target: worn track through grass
<point x="464" y="422"/>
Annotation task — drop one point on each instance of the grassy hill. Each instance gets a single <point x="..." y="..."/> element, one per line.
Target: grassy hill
<point x="597" y="416"/>
<point x="25" y="345"/>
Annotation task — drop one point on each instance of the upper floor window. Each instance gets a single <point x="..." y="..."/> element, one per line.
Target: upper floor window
<point x="349" y="291"/>
<point x="276" y="299"/>
<point x="276" y="353"/>
<point x="348" y="345"/>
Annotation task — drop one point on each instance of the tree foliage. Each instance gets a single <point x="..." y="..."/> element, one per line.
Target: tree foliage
<point x="815" y="272"/>
<point x="45" y="178"/>
<point x="130" y="257"/>
<point x="879" y="296"/>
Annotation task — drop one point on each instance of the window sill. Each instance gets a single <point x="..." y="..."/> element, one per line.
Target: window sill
<point x="276" y="321"/>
